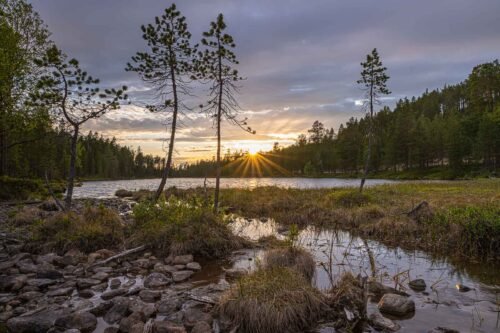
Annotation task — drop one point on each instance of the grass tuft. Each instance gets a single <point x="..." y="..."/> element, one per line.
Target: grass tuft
<point x="291" y="257"/>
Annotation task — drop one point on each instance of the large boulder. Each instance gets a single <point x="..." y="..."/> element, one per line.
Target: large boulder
<point x="396" y="305"/>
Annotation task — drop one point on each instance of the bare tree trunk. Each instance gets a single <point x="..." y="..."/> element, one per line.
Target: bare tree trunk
<point x="168" y="165"/>
<point x="72" y="167"/>
<point x="369" y="150"/>
<point x="219" y="114"/>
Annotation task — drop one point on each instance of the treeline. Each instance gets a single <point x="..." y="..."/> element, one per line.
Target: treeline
<point x="455" y="129"/>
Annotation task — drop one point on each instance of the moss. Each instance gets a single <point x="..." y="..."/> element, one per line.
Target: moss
<point x="272" y="300"/>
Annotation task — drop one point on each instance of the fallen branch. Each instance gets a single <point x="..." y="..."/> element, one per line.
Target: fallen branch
<point x="58" y="203"/>
<point x="119" y="255"/>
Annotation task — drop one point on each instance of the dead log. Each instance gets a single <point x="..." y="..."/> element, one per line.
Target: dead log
<point x="119" y="255"/>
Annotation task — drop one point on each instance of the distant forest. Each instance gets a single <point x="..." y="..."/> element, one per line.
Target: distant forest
<point x="455" y="130"/>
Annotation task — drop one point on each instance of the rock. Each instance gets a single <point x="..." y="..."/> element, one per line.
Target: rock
<point x="12" y="283"/>
<point x="381" y="323"/>
<point x="169" y="305"/>
<point x="201" y="327"/>
<point x="167" y="327"/>
<point x="142" y="263"/>
<point x="377" y="290"/>
<point x="86" y="293"/>
<point x="121" y="193"/>
<point x="101" y="276"/>
<point x="396" y="305"/>
<point x="128" y="322"/>
<point x="441" y="329"/>
<point x="111" y="329"/>
<point x="418" y="285"/>
<point x="139" y="306"/>
<point x="183" y="260"/>
<point x="463" y="288"/>
<point x="117" y="311"/>
<point x="29" y="296"/>
<point x="114" y="283"/>
<point x="165" y="269"/>
<point x="100" y="287"/>
<point x="60" y="292"/>
<point x="86" y="322"/>
<point x="39" y="322"/>
<point x="193" y="315"/>
<point x="40" y="283"/>
<point x="100" y="309"/>
<point x="6" y="265"/>
<point x="26" y="266"/>
<point x="87" y="283"/>
<point x="137" y="328"/>
<point x="180" y="276"/>
<point x="194" y="266"/>
<point x="113" y="293"/>
<point x="51" y="274"/>
<point x="49" y="258"/>
<point x="156" y="280"/>
<point x="235" y="273"/>
<point x="149" y="296"/>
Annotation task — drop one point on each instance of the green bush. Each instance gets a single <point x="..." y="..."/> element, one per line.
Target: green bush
<point x="179" y="227"/>
<point x="25" y="189"/>
<point x="96" y="228"/>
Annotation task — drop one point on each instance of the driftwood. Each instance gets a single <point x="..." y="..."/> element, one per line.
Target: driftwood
<point x="119" y="255"/>
<point x="58" y="203"/>
<point x="202" y="299"/>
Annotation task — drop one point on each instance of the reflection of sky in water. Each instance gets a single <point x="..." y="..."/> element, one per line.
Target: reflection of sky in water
<point x="457" y="310"/>
<point x="100" y="189"/>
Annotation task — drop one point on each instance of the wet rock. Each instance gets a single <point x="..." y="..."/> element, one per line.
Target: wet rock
<point x="182" y="260"/>
<point x="463" y="288"/>
<point x="418" y="285"/>
<point x="379" y="322"/>
<point x="6" y="265"/>
<point x="127" y="323"/>
<point x="168" y="306"/>
<point x="156" y="280"/>
<point x="105" y="269"/>
<point x="201" y="327"/>
<point x="165" y="269"/>
<point x="443" y="330"/>
<point x="377" y="290"/>
<point x="60" y="292"/>
<point x="14" y="283"/>
<point x="100" y="309"/>
<point x="147" y="309"/>
<point x="87" y="283"/>
<point x="101" y="276"/>
<point x="142" y="263"/>
<point x="137" y="328"/>
<point x="113" y="293"/>
<point x="167" y="327"/>
<point x="29" y="296"/>
<point x="49" y="258"/>
<point x="194" y="266"/>
<point x="180" y="276"/>
<point x="115" y="284"/>
<point x="100" y="287"/>
<point x="117" y="311"/>
<point x="37" y="323"/>
<point x="86" y="293"/>
<point x="149" y="296"/>
<point x="27" y="266"/>
<point x="396" y="305"/>
<point x="86" y="322"/>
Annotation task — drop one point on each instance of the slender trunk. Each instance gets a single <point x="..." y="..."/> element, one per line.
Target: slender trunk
<point x="72" y="167"/>
<point x="219" y="113"/>
<point x="368" y="151"/>
<point x="3" y="152"/>
<point x="168" y="165"/>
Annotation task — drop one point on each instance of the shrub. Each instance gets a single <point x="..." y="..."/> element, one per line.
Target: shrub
<point x="292" y="257"/>
<point x="272" y="300"/>
<point x="27" y="216"/>
<point x="178" y="227"/>
<point x="19" y="189"/>
<point x="96" y="228"/>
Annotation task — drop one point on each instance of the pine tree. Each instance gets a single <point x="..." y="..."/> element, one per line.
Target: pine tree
<point x="373" y="81"/>
<point x="166" y="67"/>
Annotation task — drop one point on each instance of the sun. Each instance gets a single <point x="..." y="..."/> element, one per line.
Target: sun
<point x="253" y="150"/>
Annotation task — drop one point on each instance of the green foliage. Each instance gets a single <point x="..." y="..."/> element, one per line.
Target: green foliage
<point x="181" y="227"/>
<point x="94" y="229"/>
<point x="349" y="198"/>
<point x="19" y="189"/>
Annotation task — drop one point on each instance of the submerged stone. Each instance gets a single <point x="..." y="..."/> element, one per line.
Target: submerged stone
<point x="396" y="305"/>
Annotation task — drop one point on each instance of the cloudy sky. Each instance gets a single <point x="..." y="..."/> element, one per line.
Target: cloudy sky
<point x="301" y="59"/>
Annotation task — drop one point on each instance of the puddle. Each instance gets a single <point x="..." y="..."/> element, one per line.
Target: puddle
<point x="477" y="310"/>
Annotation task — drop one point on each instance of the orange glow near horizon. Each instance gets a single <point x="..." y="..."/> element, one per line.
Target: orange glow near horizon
<point x="254" y="164"/>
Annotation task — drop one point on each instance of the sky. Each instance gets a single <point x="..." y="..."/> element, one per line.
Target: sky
<point x="300" y="59"/>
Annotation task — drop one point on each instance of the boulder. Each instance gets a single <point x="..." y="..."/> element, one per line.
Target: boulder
<point x="180" y="276"/>
<point x="396" y="305"/>
<point x="117" y="311"/>
<point x="194" y="266"/>
<point x="381" y="323"/>
<point x="86" y="322"/>
<point x="418" y="285"/>
<point x="156" y="280"/>
<point x="149" y="296"/>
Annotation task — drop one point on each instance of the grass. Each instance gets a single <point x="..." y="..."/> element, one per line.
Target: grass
<point x="292" y="257"/>
<point x="179" y="227"/>
<point x="94" y="229"/>
<point x="466" y="219"/>
<point x="272" y="300"/>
